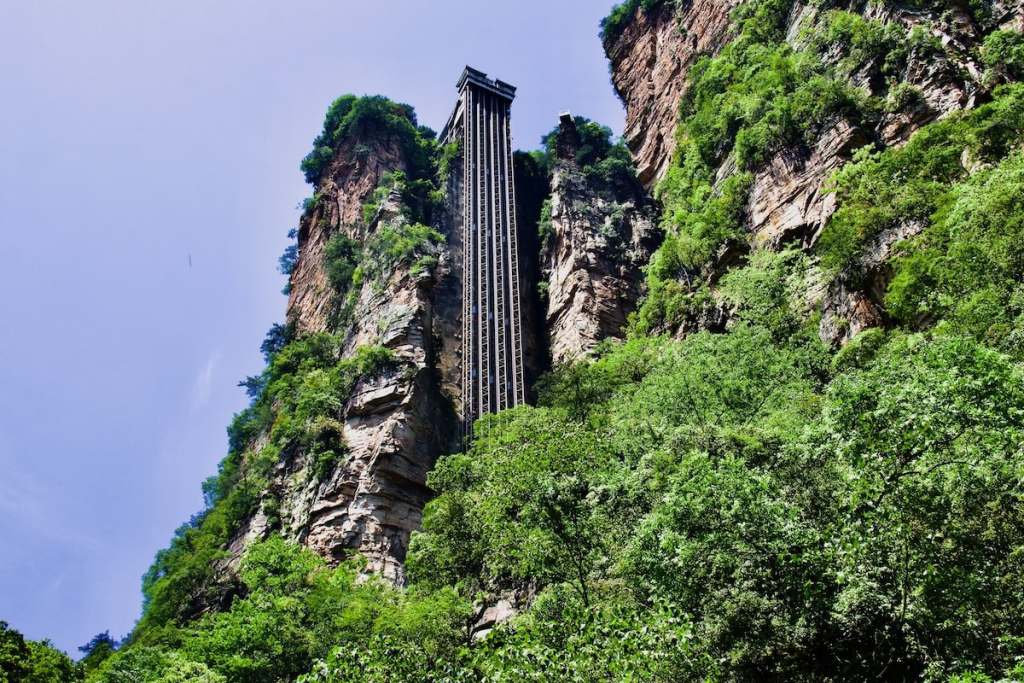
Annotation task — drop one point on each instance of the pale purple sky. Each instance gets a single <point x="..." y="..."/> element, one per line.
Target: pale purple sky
<point x="133" y="134"/>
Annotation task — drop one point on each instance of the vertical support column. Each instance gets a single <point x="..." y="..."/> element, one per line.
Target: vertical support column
<point x="498" y="256"/>
<point x="483" y="257"/>
<point x="519" y="383"/>
<point x="468" y="275"/>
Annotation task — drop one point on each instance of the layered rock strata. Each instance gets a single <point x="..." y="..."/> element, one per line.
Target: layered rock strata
<point x="789" y="201"/>
<point x="395" y="423"/>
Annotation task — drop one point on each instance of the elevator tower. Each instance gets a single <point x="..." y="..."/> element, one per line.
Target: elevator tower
<point x="485" y="197"/>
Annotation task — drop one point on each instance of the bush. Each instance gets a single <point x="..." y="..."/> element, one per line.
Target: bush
<point x="30" y="661"/>
<point x="368" y="118"/>
<point x="966" y="266"/>
<point x="1003" y="54"/>
<point x="397" y="243"/>
<point x="621" y="15"/>
<point x="341" y="256"/>
<point x="860" y="41"/>
<point x="903" y="96"/>
<point x="882" y="190"/>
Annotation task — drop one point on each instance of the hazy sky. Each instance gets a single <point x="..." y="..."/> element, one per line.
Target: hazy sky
<point x="133" y="135"/>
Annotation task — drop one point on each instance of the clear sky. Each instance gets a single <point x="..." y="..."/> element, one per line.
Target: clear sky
<point x="135" y="135"/>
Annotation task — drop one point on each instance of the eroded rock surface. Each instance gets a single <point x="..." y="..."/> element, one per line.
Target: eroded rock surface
<point x="396" y="423"/>
<point x="350" y="179"/>
<point x="649" y="63"/>
<point x="789" y="202"/>
<point x="600" y="238"/>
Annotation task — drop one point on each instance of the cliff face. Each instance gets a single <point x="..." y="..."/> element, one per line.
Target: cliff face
<point x="396" y="422"/>
<point x="395" y="426"/>
<point x="649" y="64"/>
<point x="349" y="181"/>
<point x="789" y="199"/>
<point x="600" y="236"/>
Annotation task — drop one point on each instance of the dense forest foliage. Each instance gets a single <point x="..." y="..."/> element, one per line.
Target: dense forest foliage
<point x="742" y="504"/>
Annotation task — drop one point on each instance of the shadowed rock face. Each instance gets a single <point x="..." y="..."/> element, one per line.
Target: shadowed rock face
<point x="789" y="202"/>
<point x="600" y="238"/>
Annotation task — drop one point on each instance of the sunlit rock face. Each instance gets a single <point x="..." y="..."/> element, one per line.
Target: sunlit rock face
<point x="649" y="63"/>
<point x="789" y="202"/>
<point x="599" y="240"/>
<point x="395" y="424"/>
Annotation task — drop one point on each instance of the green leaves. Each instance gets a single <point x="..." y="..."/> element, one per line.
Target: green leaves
<point x="965" y="268"/>
<point x="923" y="446"/>
<point x="364" y="119"/>
<point x="536" y="502"/>
<point x="915" y="183"/>
<point x="851" y="532"/>
<point x="32" y="661"/>
<point x="1003" y="54"/>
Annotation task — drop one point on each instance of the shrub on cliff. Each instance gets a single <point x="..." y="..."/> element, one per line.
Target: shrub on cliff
<point x="1003" y="54"/>
<point x="301" y="395"/>
<point x="900" y="186"/>
<point x="622" y="14"/>
<point x="341" y="256"/>
<point x="966" y="268"/>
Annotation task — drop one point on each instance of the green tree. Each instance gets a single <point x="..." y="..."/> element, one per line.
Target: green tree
<point x="921" y="451"/>
<point x="97" y="650"/>
<point x="14" y="654"/>
<point x="153" y="665"/>
<point x="50" y="665"/>
<point x="539" y="509"/>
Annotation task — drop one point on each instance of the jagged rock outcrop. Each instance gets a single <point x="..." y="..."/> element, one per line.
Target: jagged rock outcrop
<point x="789" y="199"/>
<point x="850" y="307"/>
<point x="600" y="237"/>
<point x="395" y="426"/>
<point x="396" y="423"/>
<point x="351" y="177"/>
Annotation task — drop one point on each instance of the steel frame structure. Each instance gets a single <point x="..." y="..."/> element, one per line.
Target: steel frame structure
<point x="492" y="340"/>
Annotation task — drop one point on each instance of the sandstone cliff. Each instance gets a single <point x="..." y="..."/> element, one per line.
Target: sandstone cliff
<point x="599" y="236"/>
<point x="789" y="201"/>
<point x="350" y="179"/>
<point x="649" y="63"/>
<point x="396" y="422"/>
